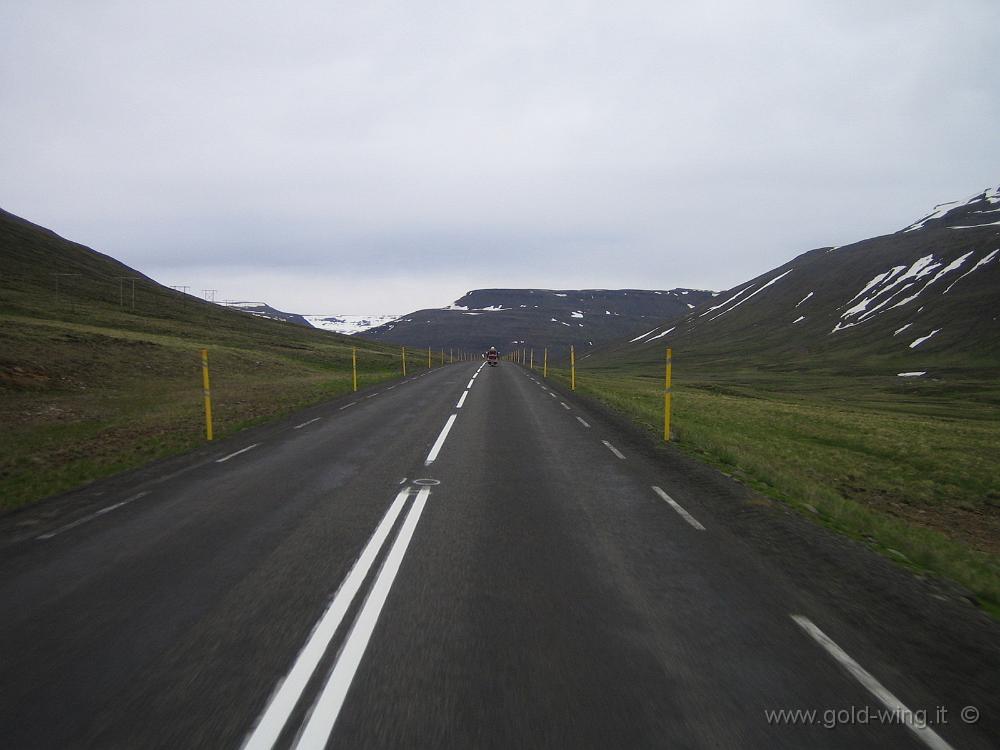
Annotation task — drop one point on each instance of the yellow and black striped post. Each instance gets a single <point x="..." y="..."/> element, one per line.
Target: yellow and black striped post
<point x="667" y="396"/>
<point x="207" y="390"/>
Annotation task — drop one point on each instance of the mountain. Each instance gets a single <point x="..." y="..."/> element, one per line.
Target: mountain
<point x="263" y="310"/>
<point x="45" y="276"/>
<point x="924" y="299"/>
<point x="348" y="325"/>
<point x="537" y="318"/>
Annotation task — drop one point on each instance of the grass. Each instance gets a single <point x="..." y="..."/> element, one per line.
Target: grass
<point x="85" y="401"/>
<point x="909" y="468"/>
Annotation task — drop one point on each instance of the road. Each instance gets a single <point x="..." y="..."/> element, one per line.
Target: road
<point x="466" y="558"/>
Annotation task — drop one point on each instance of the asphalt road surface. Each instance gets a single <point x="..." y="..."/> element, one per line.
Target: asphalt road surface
<point x="462" y="559"/>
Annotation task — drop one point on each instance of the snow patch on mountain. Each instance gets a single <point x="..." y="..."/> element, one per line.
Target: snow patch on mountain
<point x="922" y="339"/>
<point x="772" y="281"/>
<point x="349" y="325"/>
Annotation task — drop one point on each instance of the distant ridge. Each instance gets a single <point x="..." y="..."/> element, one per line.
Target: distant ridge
<point x="537" y="318"/>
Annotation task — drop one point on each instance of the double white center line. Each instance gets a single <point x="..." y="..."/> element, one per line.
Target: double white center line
<point x="324" y="714"/>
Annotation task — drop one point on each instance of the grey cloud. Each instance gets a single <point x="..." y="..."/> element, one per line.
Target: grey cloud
<point x="649" y="144"/>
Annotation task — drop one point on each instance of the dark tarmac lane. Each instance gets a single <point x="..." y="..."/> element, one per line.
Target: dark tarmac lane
<point x="540" y="583"/>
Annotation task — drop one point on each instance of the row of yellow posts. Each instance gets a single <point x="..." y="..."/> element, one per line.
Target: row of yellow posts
<point x="207" y="390"/>
<point x="517" y="356"/>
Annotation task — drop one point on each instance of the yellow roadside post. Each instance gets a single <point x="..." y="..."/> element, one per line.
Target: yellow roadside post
<point x="404" y="361"/>
<point x="545" y="363"/>
<point x="524" y="356"/>
<point x="572" y="368"/>
<point x="666" y="397"/>
<point x="442" y="357"/>
<point x="531" y="365"/>
<point x="428" y="358"/>
<point x="354" y="366"/>
<point x="207" y="389"/>
<point x="451" y="356"/>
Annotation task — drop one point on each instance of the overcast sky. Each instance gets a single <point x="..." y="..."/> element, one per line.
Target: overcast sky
<point x="379" y="157"/>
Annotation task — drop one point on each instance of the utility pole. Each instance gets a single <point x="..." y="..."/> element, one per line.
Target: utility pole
<point x="209" y="294"/>
<point x="123" y="291"/>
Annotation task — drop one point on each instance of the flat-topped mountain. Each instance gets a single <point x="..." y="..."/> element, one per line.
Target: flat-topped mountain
<point x="536" y="318"/>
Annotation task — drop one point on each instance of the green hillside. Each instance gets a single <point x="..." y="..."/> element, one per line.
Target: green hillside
<point x="94" y="380"/>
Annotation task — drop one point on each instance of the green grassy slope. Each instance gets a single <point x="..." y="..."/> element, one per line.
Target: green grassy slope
<point x="91" y="385"/>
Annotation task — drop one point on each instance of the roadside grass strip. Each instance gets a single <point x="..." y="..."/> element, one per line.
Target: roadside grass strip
<point x="924" y="733"/>
<point x="677" y="507"/>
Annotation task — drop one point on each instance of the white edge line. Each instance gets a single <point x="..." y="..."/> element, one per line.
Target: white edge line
<point x="927" y="735"/>
<point x="91" y="517"/>
<point x="680" y="511"/>
<point x="304" y="424"/>
<point x="436" y="448"/>
<point x="353" y="403"/>
<point x="233" y="455"/>
<point x="565" y="405"/>
<point x="614" y="450"/>
<point x="286" y="695"/>
<point x="323" y="717"/>
<point x="553" y="395"/>
<point x="582" y="421"/>
<point x="461" y="400"/>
